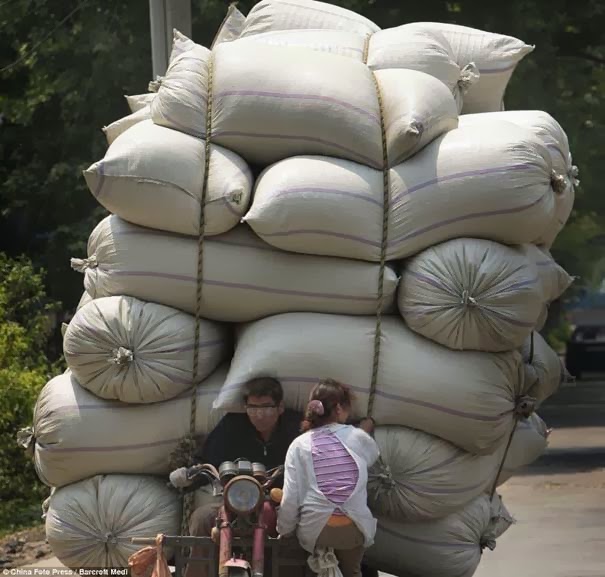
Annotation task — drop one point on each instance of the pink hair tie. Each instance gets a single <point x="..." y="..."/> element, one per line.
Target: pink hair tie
<point x="316" y="407"/>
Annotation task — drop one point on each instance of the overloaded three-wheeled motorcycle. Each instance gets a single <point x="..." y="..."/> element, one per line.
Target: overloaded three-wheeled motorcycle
<point x="244" y="539"/>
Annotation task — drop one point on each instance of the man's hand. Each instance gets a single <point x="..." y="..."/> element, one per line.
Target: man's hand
<point x="179" y="479"/>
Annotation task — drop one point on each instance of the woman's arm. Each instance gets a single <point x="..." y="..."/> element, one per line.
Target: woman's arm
<point x="287" y="516"/>
<point x="365" y="446"/>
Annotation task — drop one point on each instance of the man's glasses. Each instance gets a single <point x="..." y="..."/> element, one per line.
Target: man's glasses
<point x="260" y="410"/>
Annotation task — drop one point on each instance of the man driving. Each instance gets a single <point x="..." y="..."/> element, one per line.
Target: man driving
<point x="262" y="434"/>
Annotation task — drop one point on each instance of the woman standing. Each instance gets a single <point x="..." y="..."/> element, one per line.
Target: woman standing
<point x="325" y="480"/>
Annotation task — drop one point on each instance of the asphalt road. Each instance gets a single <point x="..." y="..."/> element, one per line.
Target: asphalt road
<point x="559" y="501"/>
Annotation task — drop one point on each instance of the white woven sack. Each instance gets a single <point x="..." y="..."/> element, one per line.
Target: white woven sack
<point x="91" y="523"/>
<point x="554" y="279"/>
<point x="138" y="101"/>
<point x="473" y="294"/>
<point x="153" y="176"/>
<point x="495" y="55"/>
<point x="544" y="370"/>
<point x="84" y="300"/>
<point x="448" y="547"/>
<point x="401" y="47"/>
<point x="295" y="101"/>
<point x="478" y="181"/>
<point x="271" y="15"/>
<point x="115" y="129"/>
<point x="243" y="278"/>
<point x="78" y="435"/>
<point x="231" y="27"/>
<point x="465" y="397"/>
<point x="554" y="138"/>
<point x="419" y="476"/>
<point x="427" y="51"/>
<point x="529" y="442"/>
<point x="126" y="349"/>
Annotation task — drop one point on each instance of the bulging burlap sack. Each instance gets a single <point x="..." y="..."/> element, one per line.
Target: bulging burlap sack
<point x="545" y="127"/>
<point x="137" y="352"/>
<point x="475" y="294"/>
<point x="477" y="181"/>
<point x="90" y="523"/>
<point x="403" y="47"/>
<point x="494" y="56"/>
<point x="295" y="14"/>
<point x="153" y="176"/>
<point x="448" y="547"/>
<point x="419" y="476"/>
<point x="269" y="103"/>
<point x="465" y="397"/>
<point x="79" y="435"/>
<point x="243" y="277"/>
<point x="544" y="369"/>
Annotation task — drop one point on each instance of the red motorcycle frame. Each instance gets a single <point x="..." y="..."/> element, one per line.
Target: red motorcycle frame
<point x="246" y="522"/>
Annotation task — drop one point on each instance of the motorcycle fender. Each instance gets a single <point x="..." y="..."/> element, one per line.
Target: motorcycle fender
<point x="241" y="563"/>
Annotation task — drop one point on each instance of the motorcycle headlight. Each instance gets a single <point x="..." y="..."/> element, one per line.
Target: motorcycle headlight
<point x="243" y="495"/>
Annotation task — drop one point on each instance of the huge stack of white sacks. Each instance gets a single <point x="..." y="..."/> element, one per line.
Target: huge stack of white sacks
<point x="358" y="180"/>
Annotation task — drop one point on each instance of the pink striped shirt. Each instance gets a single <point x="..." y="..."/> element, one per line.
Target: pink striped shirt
<point x="335" y="469"/>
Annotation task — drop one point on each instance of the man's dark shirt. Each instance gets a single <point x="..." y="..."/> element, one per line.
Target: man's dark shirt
<point x="235" y="437"/>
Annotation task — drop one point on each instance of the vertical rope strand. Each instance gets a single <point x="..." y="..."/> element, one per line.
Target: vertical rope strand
<point x="383" y="251"/>
<point x="524" y="407"/>
<point x="188" y="499"/>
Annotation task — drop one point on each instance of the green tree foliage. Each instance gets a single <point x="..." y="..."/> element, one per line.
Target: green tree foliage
<point x="68" y="83"/>
<point x="25" y="325"/>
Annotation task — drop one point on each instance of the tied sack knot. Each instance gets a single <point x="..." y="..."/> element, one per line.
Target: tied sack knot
<point x="155" y="85"/>
<point x="573" y="174"/>
<point x="81" y="264"/>
<point x="558" y="182"/>
<point x="525" y="406"/>
<point x="416" y="128"/>
<point x="467" y="300"/>
<point x="383" y="474"/>
<point x="488" y="543"/>
<point x="46" y="504"/>
<point x="109" y="538"/>
<point x="469" y="75"/>
<point x="121" y="356"/>
<point x="26" y="440"/>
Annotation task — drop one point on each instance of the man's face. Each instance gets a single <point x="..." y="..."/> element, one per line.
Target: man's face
<point x="263" y="413"/>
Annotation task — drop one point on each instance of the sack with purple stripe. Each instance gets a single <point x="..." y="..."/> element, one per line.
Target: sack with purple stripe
<point x="493" y="181"/>
<point x="465" y="397"/>
<point x="243" y="277"/>
<point x="419" y="476"/>
<point x="552" y="135"/>
<point x="440" y="547"/>
<point x="153" y="176"/>
<point x="78" y="435"/>
<point x="91" y="523"/>
<point x="269" y="103"/>
<point x="478" y="294"/>
<point x="491" y="57"/>
<point x="126" y="349"/>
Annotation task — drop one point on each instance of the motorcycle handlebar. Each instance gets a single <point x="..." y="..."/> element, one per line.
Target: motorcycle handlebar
<point x="142" y="540"/>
